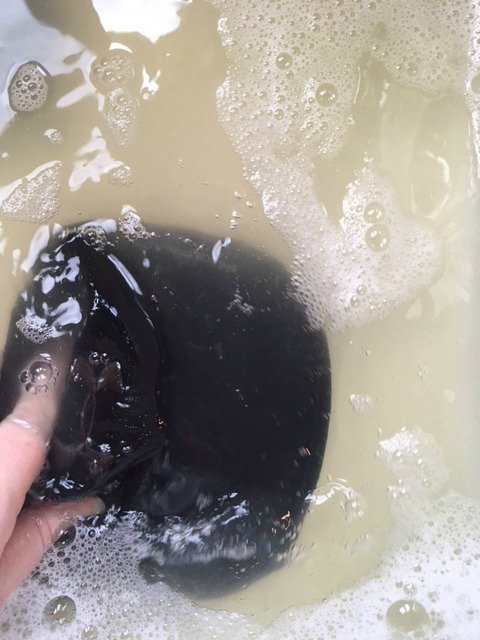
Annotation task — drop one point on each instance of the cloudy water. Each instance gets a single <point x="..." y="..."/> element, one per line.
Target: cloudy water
<point x="341" y="137"/>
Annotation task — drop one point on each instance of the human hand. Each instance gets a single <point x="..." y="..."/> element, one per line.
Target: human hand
<point x="26" y="533"/>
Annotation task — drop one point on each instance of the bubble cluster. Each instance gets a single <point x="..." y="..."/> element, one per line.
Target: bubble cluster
<point x="35" y="328"/>
<point x="416" y="461"/>
<point x="113" y="70"/>
<point x="131" y="225"/>
<point x="361" y="402"/>
<point x="121" y="114"/>
<point x="431" y="556"/>
<point x="40" y="376"/>
<point x="35" y="198"/>
<point x="291" y="96"/>
<point x="95" y="236"/>
<point x="97" y="359"/>
<point x="28" y="89"/>
<point x="121" y="176"/>
<point x="234" y="220"/>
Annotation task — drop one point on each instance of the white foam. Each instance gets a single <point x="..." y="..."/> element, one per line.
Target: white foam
<point x="131" y="225"/>
<point x="272" y="106"/>
<point x="34" y="198"/>
<point x="100" y="574"/>
<point x="431" y="557"/>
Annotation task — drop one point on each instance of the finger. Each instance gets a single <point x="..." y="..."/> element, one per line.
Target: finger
<point x="22" y="453"/>
<point x="23" y="447"/>
<point x="36" y="529"/>
<point x="24" y="436"/>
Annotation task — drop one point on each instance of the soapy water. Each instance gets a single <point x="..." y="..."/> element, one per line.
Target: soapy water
<point x="411" y="591"/>
<point x="289" y="98"/>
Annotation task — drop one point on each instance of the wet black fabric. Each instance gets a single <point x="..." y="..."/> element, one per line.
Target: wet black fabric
<point x="198" y="393"/>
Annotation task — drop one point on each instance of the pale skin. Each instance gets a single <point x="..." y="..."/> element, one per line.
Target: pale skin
<point x="26" y="533"/>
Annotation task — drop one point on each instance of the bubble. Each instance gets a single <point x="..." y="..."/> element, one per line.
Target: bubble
<point x="475" y="84"/>
<point x="66" y="538"/>
<point x="112" y="70"/>
<point x="41" y="375"/>
<point x="89" y="633"/>
<point x="374" y="213"/>
<point x="41" y="372"/>
<point x="35" y="198"/>
<point x="95" y="358"/>
<point x="411" y="68"/>
<point x="235" y="219"/>
<point x="28" y="89"/>
<point x="284" y="61"/>
<point x="326" y="94"/>
<point x="407" y="615"/>
<point x="60" y="611"/>
<point x="377" y="237"/>
<point x="410" y="589"/>
<point x="54" y="135"/>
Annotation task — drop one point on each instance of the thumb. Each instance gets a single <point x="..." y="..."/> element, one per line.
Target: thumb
<point x="35" y="530"/>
